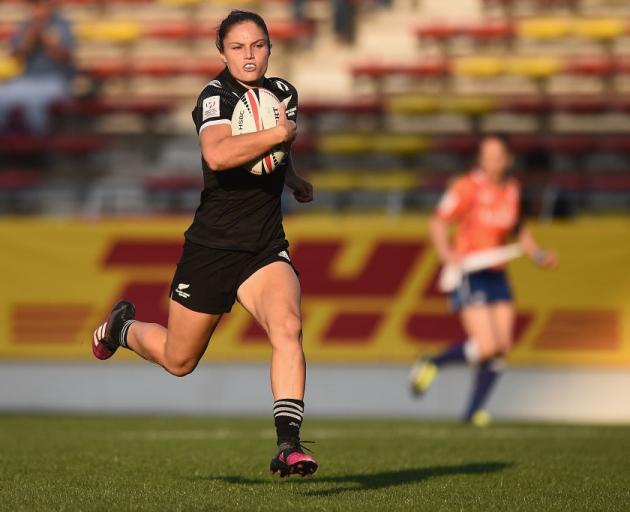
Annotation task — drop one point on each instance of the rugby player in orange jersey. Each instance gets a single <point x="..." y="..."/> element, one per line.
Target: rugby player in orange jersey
<point x="484" y="206"/>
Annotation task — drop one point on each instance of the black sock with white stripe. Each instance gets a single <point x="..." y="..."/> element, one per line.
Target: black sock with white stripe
<point x="122" y="340"/>
<point x="288" y="414"/>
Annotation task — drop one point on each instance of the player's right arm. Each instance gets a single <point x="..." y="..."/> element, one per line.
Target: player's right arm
<point x="220" y="149"/>
<point x="438" y="231"/>
<point x="451" y="208"/>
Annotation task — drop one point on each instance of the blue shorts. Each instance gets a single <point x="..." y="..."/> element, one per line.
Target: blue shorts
<point x="483" y="287"/>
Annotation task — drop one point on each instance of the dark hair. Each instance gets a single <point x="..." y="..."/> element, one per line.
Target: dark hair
<point x="503" y="138"/>
<point x="236" y="17"/>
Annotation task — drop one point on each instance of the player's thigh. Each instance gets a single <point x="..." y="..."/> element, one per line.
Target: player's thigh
<point x="503" y="315"/>
<point x="479" y="326"/>
<point x="272" y="296"/>
<point x="188" y="334"/>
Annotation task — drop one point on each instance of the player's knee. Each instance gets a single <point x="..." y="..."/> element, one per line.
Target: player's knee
<point x="486" y="350"/>
<point x="287" y="331"/>
<point x="504" y="346"/>
<point x="181" y="367"/>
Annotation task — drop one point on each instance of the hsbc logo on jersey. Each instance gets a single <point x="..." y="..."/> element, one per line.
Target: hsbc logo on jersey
<point x="211" y="107"/>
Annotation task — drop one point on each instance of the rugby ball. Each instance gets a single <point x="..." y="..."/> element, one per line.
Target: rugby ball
<point x="259" y="109"/>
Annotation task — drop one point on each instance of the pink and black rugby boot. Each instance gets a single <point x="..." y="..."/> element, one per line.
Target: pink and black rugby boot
<point x="291" y="460"/>
<point x="107" y="336"/>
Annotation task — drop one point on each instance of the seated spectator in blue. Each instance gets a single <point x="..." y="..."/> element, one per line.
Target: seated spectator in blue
<point x="44" y="45"/>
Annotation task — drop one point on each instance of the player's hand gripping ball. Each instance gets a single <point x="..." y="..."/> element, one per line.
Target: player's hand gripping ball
<point x="259" y="109"/>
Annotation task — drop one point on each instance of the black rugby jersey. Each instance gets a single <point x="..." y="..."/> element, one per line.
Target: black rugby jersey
<point x="239" y="210"/>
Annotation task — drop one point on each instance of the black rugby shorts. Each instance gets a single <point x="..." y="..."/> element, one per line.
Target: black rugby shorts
<point x="207" y="279"/>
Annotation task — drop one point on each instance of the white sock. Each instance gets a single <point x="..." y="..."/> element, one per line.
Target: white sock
<point x="471" y="352"/>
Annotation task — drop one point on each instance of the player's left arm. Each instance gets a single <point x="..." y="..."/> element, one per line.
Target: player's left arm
<point x="302" y="189"/>
<point x="542" y="257"/>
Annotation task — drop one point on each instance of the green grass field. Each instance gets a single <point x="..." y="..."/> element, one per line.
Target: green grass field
<point x="166" y="464"/>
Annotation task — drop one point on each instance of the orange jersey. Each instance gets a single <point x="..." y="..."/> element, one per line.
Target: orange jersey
<point x="485" y="212"/>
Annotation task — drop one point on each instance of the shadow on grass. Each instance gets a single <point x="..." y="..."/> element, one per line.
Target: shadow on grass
<point x="381" y="480"/>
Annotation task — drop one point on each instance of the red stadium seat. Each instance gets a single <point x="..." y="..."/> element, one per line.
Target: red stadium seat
<point x="454" y="144"/>
<point x="435" y="181"/>
<point x="572" y="144"/>
<point x="579" y="104"/>
<point x="427" y="68"/>
<point x="304" y="144"/>
<point x="173" y="182"/>
<point x="171" y="30"/>
<point x="176" y="67"/>
<point x="95" y="107"/>
<point x="591" y="66"/>
<point x="622" y="65"/>
<point x="492" y="30"/>
<point x="615" y="143"/>
<point x="616" y="182"/>
<point x="593" y="182"/>
<point x="6" y="31"/>
<point x="106" y="68"/>
<point x="530" y="104"/>
<point x="71" y="143"/>
<point x="156" y="68"/>
<point x="437" y="31"/>
<point x="18" y="179"/>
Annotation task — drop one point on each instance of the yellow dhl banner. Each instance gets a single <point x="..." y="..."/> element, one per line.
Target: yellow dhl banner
<point x="368" y="290"/>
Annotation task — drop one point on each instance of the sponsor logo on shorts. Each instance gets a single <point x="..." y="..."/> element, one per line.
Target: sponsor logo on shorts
<point x="285" y="255"/>
<point x="180" y="290"/>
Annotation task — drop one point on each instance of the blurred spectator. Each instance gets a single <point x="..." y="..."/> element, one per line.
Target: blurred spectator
<point x="44" y="45"/>
<point x="344" y="12"/>
<point x="542" y="197"/>
<point x="298" y="10"/>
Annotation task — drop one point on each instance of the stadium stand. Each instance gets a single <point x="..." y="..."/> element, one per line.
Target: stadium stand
<point x="378" y="128"/>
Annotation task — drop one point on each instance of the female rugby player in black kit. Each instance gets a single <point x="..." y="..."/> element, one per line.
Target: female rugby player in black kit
<point x="235" y="248"/>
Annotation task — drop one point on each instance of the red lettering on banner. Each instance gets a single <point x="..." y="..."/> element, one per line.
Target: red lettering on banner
<point x="352" y="328"/>
<point x="254" y="333"/>
<point x="149" y="299"/>
<point x="446" y="328"/>
<point x="431" y="290"/>
<point x="48" y="323"/>
<point x="574" y="329"/>
<point x="145" y="252"/>
<point x="385" y="270"/>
